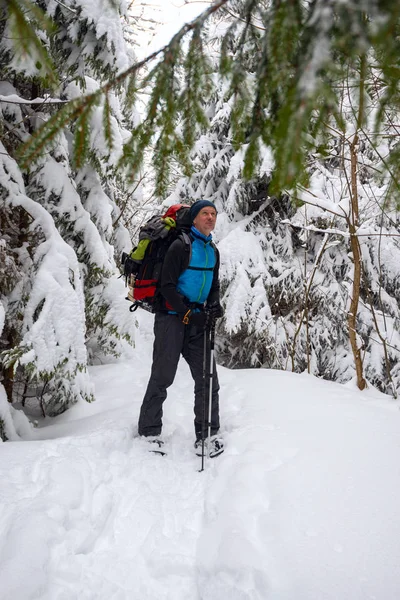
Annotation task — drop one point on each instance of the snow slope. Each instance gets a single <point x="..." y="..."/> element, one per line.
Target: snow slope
<point x="303" y="504"/>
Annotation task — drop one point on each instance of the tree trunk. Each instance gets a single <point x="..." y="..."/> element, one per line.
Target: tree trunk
<point x="8" y="382"/>
<point x="355" y="248"/>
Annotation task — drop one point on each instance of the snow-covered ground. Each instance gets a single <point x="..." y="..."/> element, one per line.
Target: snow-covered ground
<point x="303" y="504"/>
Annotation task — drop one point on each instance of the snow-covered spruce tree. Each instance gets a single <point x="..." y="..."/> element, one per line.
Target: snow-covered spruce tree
<point x="60" y="218"/>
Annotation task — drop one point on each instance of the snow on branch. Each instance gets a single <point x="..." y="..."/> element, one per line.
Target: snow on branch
<point x="361" y="232"/>
<point x="55" y="301"/>
<point x="309" y="197"/>
<point x="15" y="99"/>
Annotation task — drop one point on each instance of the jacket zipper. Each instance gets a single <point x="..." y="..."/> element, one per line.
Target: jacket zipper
<point x="204" y="273"/>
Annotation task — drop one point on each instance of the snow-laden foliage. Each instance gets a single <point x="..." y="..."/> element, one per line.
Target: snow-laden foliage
<point x="287" y="269"/>
<point x="49" y="301"/>
<point x="62" y="224"/>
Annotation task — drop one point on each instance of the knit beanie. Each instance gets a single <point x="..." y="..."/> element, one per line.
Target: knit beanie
<point x="198" y="205"/>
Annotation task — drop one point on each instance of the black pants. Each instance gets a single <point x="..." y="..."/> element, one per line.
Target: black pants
<point x="173" y="338"/>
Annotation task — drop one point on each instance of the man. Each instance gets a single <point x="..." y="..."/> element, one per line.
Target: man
<point x="190" y="298"/>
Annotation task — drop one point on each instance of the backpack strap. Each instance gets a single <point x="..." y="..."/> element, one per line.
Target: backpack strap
<point x="187" y="242"/>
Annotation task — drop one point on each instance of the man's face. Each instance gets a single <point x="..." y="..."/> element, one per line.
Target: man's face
<point x="205" y="220"/>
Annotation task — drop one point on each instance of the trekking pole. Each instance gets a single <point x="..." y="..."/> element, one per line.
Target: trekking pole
<point x="203" y="425"/>
<point x="210" y="384"/>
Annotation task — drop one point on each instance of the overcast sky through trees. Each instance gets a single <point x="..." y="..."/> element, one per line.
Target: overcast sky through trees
<point x="171" y="14"/>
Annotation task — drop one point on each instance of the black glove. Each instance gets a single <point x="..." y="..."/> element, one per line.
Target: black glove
<point x="215" y="311"/>
<point x="199" y="319"/>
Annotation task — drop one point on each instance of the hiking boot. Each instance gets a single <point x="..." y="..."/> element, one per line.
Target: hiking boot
<point x="215" y="446"/>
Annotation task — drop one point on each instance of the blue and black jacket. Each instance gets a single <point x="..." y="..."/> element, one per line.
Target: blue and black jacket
<point x="185" y="282"/>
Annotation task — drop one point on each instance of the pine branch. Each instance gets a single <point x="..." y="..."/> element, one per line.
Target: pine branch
<point x="108" y="135"/>
<point x="82" y="132"/>
<point x="32" y="149"/>
<point x="286" y="102"/>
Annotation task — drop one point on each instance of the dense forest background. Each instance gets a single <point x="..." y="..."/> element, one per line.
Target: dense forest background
<point x="285" y="114"/>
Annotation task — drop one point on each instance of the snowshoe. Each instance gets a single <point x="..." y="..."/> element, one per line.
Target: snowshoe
<point x="157" y="444"/>
<point x="212" y="447"/>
